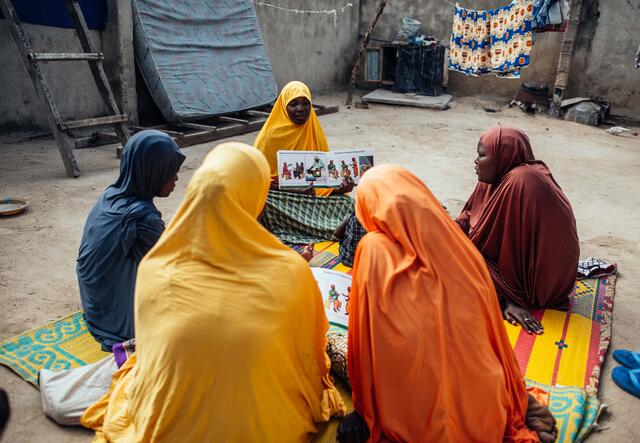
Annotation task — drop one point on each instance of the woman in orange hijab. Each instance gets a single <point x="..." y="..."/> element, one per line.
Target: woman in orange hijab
<point x="523" y="225"/>
<point x="429" y="358"/>
<point x="296" y="216"/>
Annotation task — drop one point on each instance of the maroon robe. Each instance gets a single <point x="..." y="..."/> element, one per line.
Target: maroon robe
<point x="523" y="225"/>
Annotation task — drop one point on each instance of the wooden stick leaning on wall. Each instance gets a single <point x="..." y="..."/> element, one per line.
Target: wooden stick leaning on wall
<point x="361" y="50"/>
<point x="566" y="56"/>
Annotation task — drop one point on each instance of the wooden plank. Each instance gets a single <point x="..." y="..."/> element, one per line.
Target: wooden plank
<point x="198" y="126"/>
<point x="185" y="139"/>
<point x="199" y="134"/>
<point x="257" y="113"/>
<point x="92" y="122"/>
<point x="62" y="56"/>
<point x="142" y="128"/>
<point x="97" y="69"/>
<point x="107" y="137"/>
<point x="226" y="118"/>
<point x="566" y="56"/>
<point x="64" y="142"/>
<point x="239" y="129"/>
<point x="229" y="131"/>
<point x="159" y="128"/>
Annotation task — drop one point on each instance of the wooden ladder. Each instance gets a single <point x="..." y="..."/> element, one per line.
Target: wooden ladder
<point x="62" y="130"/>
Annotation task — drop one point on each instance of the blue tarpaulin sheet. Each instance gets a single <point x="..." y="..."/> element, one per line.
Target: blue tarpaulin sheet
<point x="54" y="13"/>
<point x="201" y="58"/>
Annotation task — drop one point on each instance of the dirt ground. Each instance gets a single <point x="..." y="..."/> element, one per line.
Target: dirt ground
<point x="599" y="173"/>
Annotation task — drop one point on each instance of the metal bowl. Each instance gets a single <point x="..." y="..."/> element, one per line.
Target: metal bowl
<point x="12" y="206"/>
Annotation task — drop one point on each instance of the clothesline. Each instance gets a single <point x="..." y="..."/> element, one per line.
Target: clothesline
<point x="451" y="3"/>
<point x="331" y="12"/>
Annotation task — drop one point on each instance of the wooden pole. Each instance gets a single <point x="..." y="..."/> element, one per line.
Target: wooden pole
<point x="566" y="55"/>
<point x="361" y="50"/>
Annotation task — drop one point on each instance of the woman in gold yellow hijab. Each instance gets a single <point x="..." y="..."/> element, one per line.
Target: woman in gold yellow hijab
<point x="230" y="325"/>
<point x="296" y="216"/>
<point x="292" y="126"/>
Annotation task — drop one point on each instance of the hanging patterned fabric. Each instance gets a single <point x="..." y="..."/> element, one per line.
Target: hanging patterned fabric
<point x="496" y="41"/>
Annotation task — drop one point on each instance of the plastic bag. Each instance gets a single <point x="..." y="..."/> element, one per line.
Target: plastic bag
<point x="409" y="27"/>
<point x="559" y="12"/>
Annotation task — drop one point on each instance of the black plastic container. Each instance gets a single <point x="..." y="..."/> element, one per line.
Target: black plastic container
<point x="419" y="69"/>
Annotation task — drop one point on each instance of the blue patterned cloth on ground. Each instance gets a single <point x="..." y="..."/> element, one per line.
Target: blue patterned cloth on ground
<point x="495" y="41"/>
<point x="575" y="411"/>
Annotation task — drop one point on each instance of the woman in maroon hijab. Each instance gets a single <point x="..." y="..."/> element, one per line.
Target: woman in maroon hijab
<point x="523" y="224"/>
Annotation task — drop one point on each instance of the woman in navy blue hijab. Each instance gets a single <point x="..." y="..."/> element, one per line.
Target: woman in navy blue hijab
<point x="122" y="226"/>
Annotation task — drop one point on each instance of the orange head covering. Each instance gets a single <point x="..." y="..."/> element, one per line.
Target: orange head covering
<point x="429" y="358"/>
<point x="279" y="133"/>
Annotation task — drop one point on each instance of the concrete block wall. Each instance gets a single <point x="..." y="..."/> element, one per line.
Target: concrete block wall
<point x="602" y="64"/>
<point x="71" y="83"/>
<point x="315" y="48"/>
<point x="319" y="49"/>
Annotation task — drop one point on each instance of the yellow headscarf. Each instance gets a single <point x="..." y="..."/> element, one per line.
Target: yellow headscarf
<point x="230" y="325"/>
<point x="279" y="133"/>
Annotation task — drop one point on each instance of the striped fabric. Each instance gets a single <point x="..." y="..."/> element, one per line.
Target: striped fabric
<point x="565" y="361"/>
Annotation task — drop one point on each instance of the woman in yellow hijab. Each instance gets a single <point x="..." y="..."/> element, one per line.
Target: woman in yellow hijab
<point x="292" y="126"/>
<point x="296" y="216"/>
<point x="230" y="325"/>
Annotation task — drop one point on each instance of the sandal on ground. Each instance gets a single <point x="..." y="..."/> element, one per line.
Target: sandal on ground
<point x="628" y="359"/>
<point x="627" y="379"/>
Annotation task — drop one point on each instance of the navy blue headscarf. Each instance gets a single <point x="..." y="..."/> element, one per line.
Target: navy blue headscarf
<point x="121" y="228"/>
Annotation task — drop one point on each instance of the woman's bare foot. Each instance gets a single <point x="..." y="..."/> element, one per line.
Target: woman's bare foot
<point x="514" y="314"/>
<point x="540" y="420"/>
